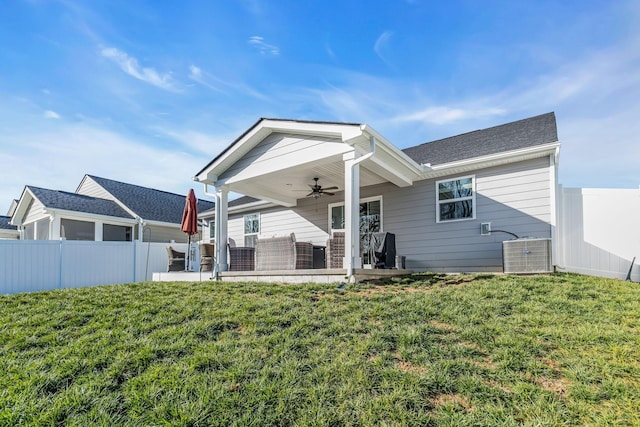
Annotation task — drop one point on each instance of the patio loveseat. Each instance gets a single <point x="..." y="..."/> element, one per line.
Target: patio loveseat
<point x="283" y="253"/>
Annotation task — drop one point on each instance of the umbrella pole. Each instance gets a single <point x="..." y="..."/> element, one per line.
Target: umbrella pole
<point x="188" y="253"/>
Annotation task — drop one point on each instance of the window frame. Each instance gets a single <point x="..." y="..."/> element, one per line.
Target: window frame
<point x="472" y="198"/>
<point x="256" y="234"/>
<point x="361" y="201"/>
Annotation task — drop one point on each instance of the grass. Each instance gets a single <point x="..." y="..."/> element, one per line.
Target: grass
<point x="426" y="350"/>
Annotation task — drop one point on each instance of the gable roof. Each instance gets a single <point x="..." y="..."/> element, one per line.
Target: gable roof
<point x="4" y="223"/>
<point x="512" y="136"/>
<point x="148" y="203"/>
<point x="265" y="119"/>
<point x="56" y="199"/>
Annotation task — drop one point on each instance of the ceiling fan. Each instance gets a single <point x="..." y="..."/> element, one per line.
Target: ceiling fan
<point x="318" y="191"/>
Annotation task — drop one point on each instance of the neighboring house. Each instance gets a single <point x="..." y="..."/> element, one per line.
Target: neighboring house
<point x="103" y="210"/>
<point x="433" y="196"/>
<point x="8" y="231"/>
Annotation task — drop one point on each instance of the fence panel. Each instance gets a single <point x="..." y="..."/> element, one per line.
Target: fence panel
<point x="29" y="265"/>
<point x="97" y="263"/>
<point x="599" y="231"/>
<point x="38" y="265"/>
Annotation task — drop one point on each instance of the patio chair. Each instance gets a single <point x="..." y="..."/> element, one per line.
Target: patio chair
<point x="207" y="251"/>
<point x="283" y="253"/>
<point x="383" y="250"/>
<point x="335" y="250"/>
<point x="176" y="260"/>
<point x="241" y="258"/>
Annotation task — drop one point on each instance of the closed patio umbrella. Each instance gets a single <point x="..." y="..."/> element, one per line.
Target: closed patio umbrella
<point x="190" y="219"/>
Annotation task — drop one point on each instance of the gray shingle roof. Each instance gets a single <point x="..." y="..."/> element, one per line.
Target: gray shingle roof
<point x="78" y="202"/>
<point x="147" y="203"/>
<point x="4" y="223"/>
<point x="498" y="139"/>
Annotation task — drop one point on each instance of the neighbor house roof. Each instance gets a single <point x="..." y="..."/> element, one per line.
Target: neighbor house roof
<point x="512" y="136"/>
<point x="4" y="223"/>
<point x="56" y="199"/>
<point x="148" y="203"/>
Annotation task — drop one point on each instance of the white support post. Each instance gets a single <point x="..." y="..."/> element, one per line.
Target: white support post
<point x="222" y="218"/>
<point x="351" y="213"/>
<point x="98" y="231"/>
<point x="54" y="227"/>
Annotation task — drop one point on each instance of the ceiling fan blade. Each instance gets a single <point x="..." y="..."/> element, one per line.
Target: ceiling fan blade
<point x="328" y="194"/>
<point x="311" y="194"/>
<point x="330" y="188"/>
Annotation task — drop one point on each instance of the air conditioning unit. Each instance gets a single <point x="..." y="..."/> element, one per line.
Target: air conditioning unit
<point x="523" y="256"/>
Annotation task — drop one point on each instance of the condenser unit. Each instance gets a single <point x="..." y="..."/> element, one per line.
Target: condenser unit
<point x="527" y="256"/>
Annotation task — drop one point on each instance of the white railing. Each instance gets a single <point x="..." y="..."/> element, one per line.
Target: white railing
<point x="36" y="265"/>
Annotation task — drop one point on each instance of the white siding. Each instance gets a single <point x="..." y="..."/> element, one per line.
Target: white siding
<point x="35" y="211"/>
<point x="277" y="150"/>
<point x="514" y="198"/>
<point x="308" y="221"/>
<point x="91" y="188"/>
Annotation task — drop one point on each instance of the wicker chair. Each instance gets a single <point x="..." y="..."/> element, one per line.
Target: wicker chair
<point x="176" y="260"/>
<point x="283" y="253"/>
<point x="335" y="250"/>
<point x="241" y="258"/>
<point x="207" y="251"/>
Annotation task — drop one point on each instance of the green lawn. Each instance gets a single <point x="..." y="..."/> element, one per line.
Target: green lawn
<point x="429" y="350"/>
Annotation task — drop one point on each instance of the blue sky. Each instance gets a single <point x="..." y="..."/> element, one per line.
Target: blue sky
<point x="148" y="92"/>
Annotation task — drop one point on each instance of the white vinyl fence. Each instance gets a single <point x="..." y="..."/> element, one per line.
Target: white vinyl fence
<point x="36" y="265"/>
<point x="599" y="232"/>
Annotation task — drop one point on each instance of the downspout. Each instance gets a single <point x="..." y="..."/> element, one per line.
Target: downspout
<point x="372" y="150"/>
<point x="217" y="227"/>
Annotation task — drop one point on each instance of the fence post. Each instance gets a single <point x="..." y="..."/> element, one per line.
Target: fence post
<point x="135" y="259"/>
<point x="60" y="255"/>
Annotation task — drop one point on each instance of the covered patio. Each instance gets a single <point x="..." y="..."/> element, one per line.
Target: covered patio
<point x="276" y="161"/>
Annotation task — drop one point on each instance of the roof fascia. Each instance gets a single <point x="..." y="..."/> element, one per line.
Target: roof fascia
<point x="393" y="151"/>
<point x="493" y="159"/>
<point x="21" y="208"/>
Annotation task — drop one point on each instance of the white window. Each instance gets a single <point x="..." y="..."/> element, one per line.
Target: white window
<point x="251" y="229"/>
<point x="455" y="199"/>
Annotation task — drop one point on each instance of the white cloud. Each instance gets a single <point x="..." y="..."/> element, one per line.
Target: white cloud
<point x="130" y="65"/>
<point x="263" y="47"/>
<point x="445" y="115"/>
<point x="195" y="72"/>
<point x="382" y="44"/>
<point x="51" y="115"/>
<point x="224" y="87"/>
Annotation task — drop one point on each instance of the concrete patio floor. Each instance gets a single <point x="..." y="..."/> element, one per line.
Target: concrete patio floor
<point x="283" y="276"/>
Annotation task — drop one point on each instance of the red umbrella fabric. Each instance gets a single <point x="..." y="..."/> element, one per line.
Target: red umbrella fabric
<point x="190" y="215"/>
<point x="190" y="219"/>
